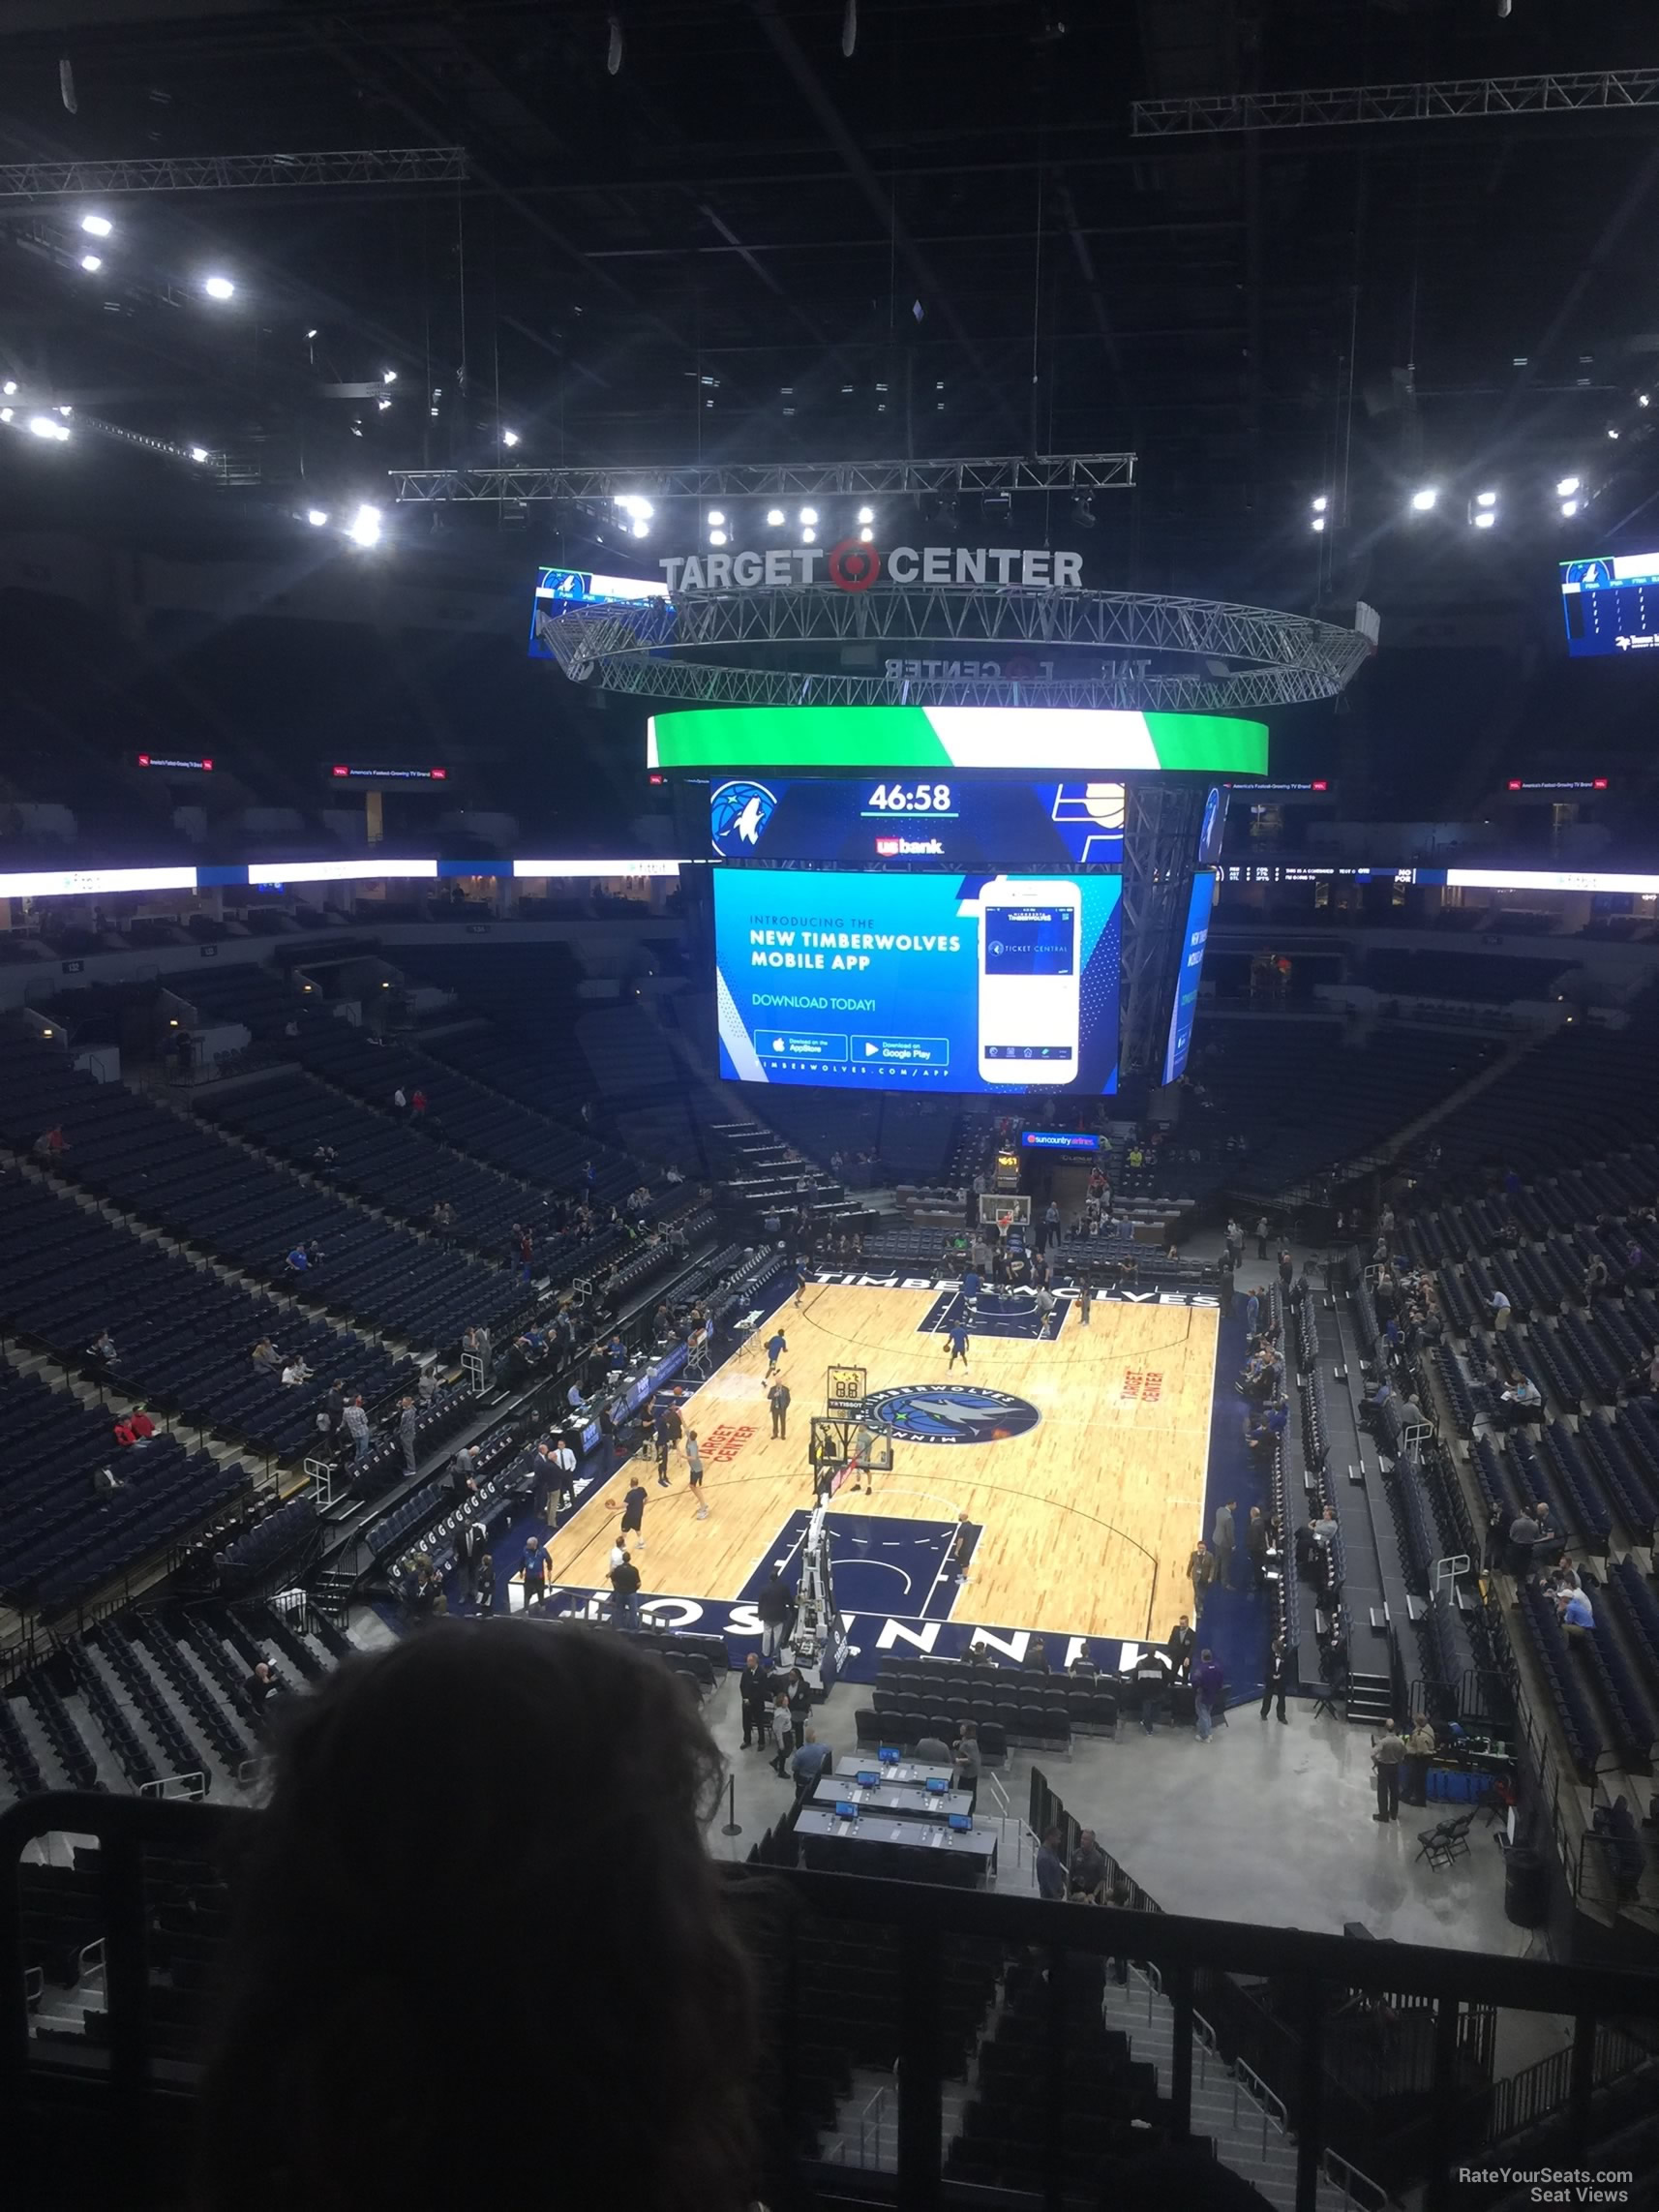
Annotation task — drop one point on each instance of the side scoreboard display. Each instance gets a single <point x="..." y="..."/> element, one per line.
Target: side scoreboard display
<point x="1611" y="604"/>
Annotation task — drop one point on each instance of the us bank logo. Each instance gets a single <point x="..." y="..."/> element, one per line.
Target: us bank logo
<point x="963" y="1415"/>
<point x="739" y="812"/>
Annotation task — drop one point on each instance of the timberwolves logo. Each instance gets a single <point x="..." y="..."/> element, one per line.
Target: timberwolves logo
<point x="961" y="1415"/>
<point x="737" y="813"/>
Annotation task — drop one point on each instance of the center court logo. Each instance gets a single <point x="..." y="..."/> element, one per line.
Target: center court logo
<point x="961" y="1415"/>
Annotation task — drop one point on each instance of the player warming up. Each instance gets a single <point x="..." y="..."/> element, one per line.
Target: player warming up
<point x="775" y="1350"/>
<point x="957" y="1336"/>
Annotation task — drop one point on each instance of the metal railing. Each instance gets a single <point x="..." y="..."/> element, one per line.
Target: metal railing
<point x="915" y="1924"/>
<point x="1249" y="2085"/>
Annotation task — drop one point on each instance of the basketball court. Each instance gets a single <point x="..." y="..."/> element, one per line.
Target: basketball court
<point x="1078" y="1458"/>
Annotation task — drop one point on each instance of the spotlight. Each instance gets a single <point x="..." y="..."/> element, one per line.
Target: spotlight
<point x="9" y="387"/>
<point x="774" y="515"/>
<point x="382" y="406"/>
<point x="92" y="263"/>
<point x="1485" y="520"/>
<point x="1612" y="433"/>
<point x="1317" y="523"/>
<point x="311" y="333"/>
<point x="1486" y="499"/>
<point x="509" y="437"/>
<point x="809" y="514"/>
<point x="389" y="375"/>
<point x="97" y="226"/>
<point x="199" y="453"/>
<point x="1424" y="500"/>
<point x="5" y="414"/>
<point x="1569" y="508"/>
<point x="43" y="426"/>
<point x="865" y="536"/>
<point x="1568" y="485"/>
<point x="809" y="537"/>
<point x="1083" y="509"/>
<point x="1641" y="399"/>
<point x="716" y="519"/>
<point x="867" y="514"/>
<point x="219" y="287"/>
<point x="1321" y="503"/>
<point x="641" y="528"/>
<point x="631" y="504"/>
<point x="316" y="516"/>
<point x="716" y="537"/>
<point x="365" y="528"/>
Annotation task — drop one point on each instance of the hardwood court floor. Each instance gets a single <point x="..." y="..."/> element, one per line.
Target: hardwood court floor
<point x="1070" y="1511"/>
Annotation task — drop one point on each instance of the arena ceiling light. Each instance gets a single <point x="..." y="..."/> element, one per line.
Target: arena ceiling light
<point x="364" y="526"/>
<point x="1320" y="503"/>
<point x="389" y="375"/>
<point x="1424" y="499"/>
<point x="867" y="514"/>
<point x="809" y="537"/>
<point x="219" y="287"/>
<point x="774" y="515"/>
<point x="716" y="518"/>
<point x="92" y="264"/>
<point x="316" y="517"/>
<point x="509" y="437"/>
<point x="866" y="536"/>
<point x="1567" y="486"/>
<point x="1569" y="508"/>
<point x="716" y="537"/>
<point x="1316" y="522"/>
<point x="809" y="514"/>
<point x="199" y="453"/>
<point x="97" y="226"/>
<point x="1485" y="520"/>
<point x="43" y="426"/>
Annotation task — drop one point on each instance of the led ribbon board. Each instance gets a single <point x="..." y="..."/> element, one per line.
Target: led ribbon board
<point x="1030" y="739"/>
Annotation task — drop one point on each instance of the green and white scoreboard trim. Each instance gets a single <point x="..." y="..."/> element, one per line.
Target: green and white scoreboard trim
<point x="1079" y="740"/>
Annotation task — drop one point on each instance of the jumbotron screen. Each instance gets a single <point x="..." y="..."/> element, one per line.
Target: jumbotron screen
<point x="995" y="984"/>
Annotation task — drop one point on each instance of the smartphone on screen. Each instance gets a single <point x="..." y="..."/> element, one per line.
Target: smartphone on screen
<point x="1029" y="981"/>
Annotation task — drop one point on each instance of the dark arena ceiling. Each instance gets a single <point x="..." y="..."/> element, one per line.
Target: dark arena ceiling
<point x="763" y="229"/>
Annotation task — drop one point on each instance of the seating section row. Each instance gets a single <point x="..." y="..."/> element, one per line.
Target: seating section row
<point x="61" y="1536"/>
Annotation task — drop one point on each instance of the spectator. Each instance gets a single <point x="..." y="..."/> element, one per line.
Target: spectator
<point x="1221" y="1542"/>
<point x="134" y="1429"/>
<point x="1051" y="1877"/>
<point x="534" y="1573"/>
<point x="1420" y="1748"/>
<point x="777" y="1398"/>
<point x="1577" y="1619"/>
<point x="1261" y="1235"/>
<point x="417" y="1104"/>
<point x="1206" y="1694"/>
<point x="407" y="1424"/>
<point x="1387" y="1756"/>
<point x="966" y="1755"/>
<point x="1524" y="1531"/>
<point x="1278" y="1676"/>
<point x="1149" y="1683"/>
<point x="1087" y="1874"/>
<point x="103" y="1346"/>
<point x="624" y="1592"/>
<point x="261" y="1686"/>
<point x="1235" y="1244"/>
<point x="774" y="1607"/>
<point x="1200" y="1572"/>
<point x="1180" y="1648"/>
<point x="428" y="1385"/>
<point x="334" y="1408"/>
<point x="484" y="1586"/>
<point x="357" y="1429"/>
<point x="295" y="1371"/>
<point x="755" y="1694"/>
<point x="400" y="1100"/>
<point x="298" y="1260"/>
<point x="51" y="1144"/>
<point x="782" y="1727"/>
<point x="266" y="1357"/>
<point x="1523" y="1399"/>
<point x="506" y="1714"/>
<point x="1498" y="1305"/>
<point x="1255" y="1547"/>
<point x="809" y="1760"/>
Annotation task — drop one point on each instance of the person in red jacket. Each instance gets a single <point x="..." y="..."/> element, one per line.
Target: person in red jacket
<point x="417" y="1102"/>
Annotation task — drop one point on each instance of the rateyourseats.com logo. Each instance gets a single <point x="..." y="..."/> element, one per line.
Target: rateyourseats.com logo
<point x="961" y="1415"/>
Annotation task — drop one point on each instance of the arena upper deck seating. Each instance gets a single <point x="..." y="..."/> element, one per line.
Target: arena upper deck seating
<point x="1583" y="1092"/>
<point x="188" y="1180"/>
